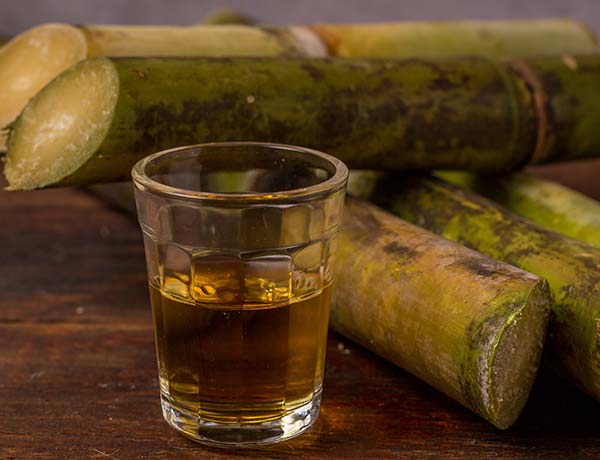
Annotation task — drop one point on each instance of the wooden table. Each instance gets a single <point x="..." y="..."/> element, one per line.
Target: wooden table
<point x="78" y="377"/>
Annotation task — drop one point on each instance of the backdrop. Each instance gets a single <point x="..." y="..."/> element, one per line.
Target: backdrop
<point x="18" y="15"/>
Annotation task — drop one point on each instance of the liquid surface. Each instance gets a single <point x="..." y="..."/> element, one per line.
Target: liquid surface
<point x="229" y="362"/>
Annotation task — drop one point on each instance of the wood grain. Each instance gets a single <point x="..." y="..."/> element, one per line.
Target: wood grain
<point x="78" y="376"/>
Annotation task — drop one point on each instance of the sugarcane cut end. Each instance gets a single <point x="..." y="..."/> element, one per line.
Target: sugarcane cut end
<point x="517" y="356"/>
<point x="30" y="60"/>
<point x="62" y="127"/>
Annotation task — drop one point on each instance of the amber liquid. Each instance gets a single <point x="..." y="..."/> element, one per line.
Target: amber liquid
<point x="239" y="363"/>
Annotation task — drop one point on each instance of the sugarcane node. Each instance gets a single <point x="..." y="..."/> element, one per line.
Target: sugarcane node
<point x="329" y="40"/>
<point x="540" y="103"/>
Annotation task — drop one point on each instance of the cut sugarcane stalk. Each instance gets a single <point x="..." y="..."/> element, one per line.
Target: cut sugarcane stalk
<point x="469" y="113"/>
<point x="30" y="60"/>
<point x="33" y="58"/>
<point x="468" y="325"/>
<point x="99" y="117"/>
<point x="571" y="267"/>
<point x="542" y="201"/>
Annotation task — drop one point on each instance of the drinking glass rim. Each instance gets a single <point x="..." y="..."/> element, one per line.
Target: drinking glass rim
<point x="334" y="183"/>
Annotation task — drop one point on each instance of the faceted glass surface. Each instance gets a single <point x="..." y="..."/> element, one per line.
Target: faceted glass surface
<point x="239" y="243"/>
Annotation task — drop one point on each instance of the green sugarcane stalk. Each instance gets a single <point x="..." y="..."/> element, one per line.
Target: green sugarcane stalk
<point x="361" y="111"/>
<point x="542" y="201"/>
<point x="471" y="113"/>
<point x="470" y="326"/>
<point x="571" y="267"/>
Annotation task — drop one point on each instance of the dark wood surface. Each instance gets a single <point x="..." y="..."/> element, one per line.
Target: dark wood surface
<point x="78" y="377"/>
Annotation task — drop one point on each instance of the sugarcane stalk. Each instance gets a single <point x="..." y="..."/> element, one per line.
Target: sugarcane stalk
<point x="571" y="267"/>
<point x="469" y="113"/>
<point x="33" y="58"/>
<point x="542" y="201"/>
<point x="467" y="325"/>
<point x="511" y="38"/>
<point x="94" y="121"/>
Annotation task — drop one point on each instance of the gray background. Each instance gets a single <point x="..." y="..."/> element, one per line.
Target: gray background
<point x="17" y="15"/>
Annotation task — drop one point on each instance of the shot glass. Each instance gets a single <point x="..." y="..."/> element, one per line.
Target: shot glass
<point x="240" y="244"/>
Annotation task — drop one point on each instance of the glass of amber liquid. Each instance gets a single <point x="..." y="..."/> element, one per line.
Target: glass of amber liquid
<point x="240" y="243"/>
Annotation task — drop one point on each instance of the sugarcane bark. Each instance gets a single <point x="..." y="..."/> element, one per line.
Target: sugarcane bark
<point x="542" y="201"/>
<point x="437" y="114"/>
<point x="441" y="39"/>
<point x="571" y="267"/>
<point x="439" y="310"/>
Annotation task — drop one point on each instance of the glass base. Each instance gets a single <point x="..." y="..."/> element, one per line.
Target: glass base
<point x="291" y="425"/>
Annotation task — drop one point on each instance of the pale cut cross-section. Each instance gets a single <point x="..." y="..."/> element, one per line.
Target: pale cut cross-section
<point x="514" y="366"/>
<point x="31" y="60"/>
<point x="63" y="125"/>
